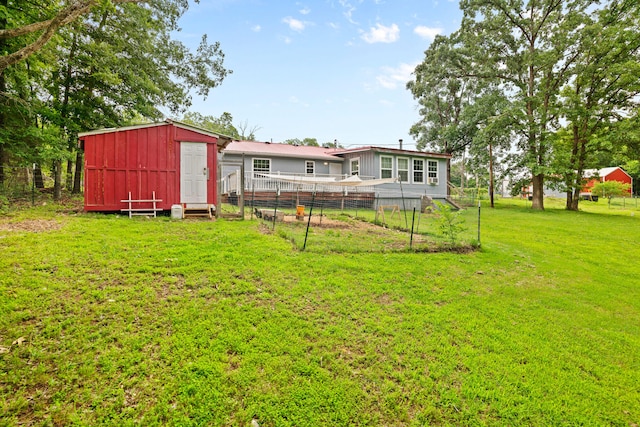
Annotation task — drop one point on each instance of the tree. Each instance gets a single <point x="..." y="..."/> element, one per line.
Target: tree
<point x="443" y="94"/>
<point x="47" y="27"/>
<point x="222" y="125"/>
<point x="247" y="133"/>
<point x="604" y="88"/>
<point x="310" y="142"/>
<point x="334" y="144"/>
<point x="610" y="189"/>
<point x="116" y="63"/>
<point x="528" y="49"/>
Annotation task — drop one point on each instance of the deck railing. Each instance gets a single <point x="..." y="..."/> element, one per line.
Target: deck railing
<point x="255" y="181"/>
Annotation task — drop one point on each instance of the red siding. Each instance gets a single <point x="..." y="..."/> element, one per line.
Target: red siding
<point x="139" y="161"/>
<point x="616" y="175"/>
<point x="620" y="176"/>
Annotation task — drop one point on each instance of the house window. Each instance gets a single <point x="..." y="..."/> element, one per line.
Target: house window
<point x="403" y="170"/>
<point x="261" y="166"/>
<point x="432" y="171"/>
<point x="386" y="167"/>
<point x="418" y="171"/>
<point x="355" y="166"/>
<point x="310" y="167"/>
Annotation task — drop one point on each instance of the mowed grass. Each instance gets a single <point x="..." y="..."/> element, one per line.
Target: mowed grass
<point x="110" y="321"/>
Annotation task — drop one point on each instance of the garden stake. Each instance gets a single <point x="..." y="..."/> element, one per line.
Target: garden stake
<point x="253" y="197"/>
<point x="321" y="205"/>
<point x="478" y="222"/>
<point x="404" y="207"/>
<point x="413" y="219"/>
<point x="306" y="234"/>
<point x="275" y="210"/>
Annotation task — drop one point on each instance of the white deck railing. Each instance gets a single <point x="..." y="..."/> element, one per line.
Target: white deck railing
<point x="255" y="181"/>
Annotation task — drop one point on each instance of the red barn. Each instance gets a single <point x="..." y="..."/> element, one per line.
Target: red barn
<point x="175" y="162"/>
<point x="606" y="174"/>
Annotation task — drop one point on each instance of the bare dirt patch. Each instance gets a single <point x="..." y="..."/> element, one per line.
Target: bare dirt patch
<point x="31" y="225"/>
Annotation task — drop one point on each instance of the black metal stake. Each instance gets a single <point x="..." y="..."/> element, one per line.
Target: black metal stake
<point x="322" y="205"/>
<point x="478" y="222"/>
<point x="413" y="219"/>
<point x="306" y="234"/>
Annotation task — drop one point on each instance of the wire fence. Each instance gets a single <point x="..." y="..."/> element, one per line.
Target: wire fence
<point x="332" y="222"/>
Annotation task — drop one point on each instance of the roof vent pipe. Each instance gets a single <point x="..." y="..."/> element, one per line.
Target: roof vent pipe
<point x="400" y="141"/>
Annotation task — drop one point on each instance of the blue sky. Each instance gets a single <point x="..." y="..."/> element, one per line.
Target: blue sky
<point x="325" y="69"/>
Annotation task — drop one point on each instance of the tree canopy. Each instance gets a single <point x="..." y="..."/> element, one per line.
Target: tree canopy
<point x="558" y="64"/>
<point x="92" y="64"/>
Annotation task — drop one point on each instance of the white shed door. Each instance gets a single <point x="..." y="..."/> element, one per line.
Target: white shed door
<point x="335" y="169"/>
<point x="193" y="172"/>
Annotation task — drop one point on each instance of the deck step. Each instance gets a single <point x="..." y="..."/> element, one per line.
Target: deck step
<point x="196" y="213"/>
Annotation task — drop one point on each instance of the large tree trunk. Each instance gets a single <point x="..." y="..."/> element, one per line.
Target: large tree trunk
<point x="57" y="180"/>
<point x="577" y="164"/>
<point x="537" y="200"/>
<point x="77" y="179"/>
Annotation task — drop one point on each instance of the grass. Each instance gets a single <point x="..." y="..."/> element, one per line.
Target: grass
<point x="154" y="322"/>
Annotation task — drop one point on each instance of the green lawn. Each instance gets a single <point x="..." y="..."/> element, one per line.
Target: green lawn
<point x="110" y="321"/>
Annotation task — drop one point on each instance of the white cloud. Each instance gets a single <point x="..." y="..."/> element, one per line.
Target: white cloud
<point x="294" y="100"/>
<point x="256" y="28"/>
<point x="392" y="77"/>
<point x="427" y="32"/>
<point x="382" y="34"/>
<point x="305" y="11"/>
<point x="294" y="24"/>
<point x="333" y="25"/>
<point x="348" y="10"/>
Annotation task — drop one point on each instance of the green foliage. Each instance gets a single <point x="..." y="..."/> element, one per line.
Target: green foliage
<point x="450" y="222"/>
<point x="610" y="189"/>
<point x="312" y="142"/>
<point x="223" y="124"/>
<point x="115" y="64"/>
<point x="546" y="59"/>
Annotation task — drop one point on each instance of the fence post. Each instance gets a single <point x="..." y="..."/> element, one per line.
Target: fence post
<point x="413" y="220"/>
<point x="479" y="204"/>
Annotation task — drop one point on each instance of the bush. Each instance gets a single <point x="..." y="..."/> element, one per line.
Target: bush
<point x="450" y="223"/>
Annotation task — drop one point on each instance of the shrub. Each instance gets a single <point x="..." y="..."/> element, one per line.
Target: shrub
<point x="450" y="223"/>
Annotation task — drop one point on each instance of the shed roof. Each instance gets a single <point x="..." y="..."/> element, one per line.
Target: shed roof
<point x="282" y="150"/>
<point x="222" y="142"/>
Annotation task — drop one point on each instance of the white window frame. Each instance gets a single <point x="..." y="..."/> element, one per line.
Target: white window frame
<point x="414" y="170"/>
<point x="432" y="175"/>
<point x="403" y="170"/>
<point x="311" y="163"/>
<point x="355" y="160"/>
<point x="253" y="167"/>
<point x="390" y="168"/>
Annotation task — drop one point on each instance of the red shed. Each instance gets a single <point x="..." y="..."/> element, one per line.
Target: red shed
<point x="175" y="161"/>
<point x="607" y="174"/>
